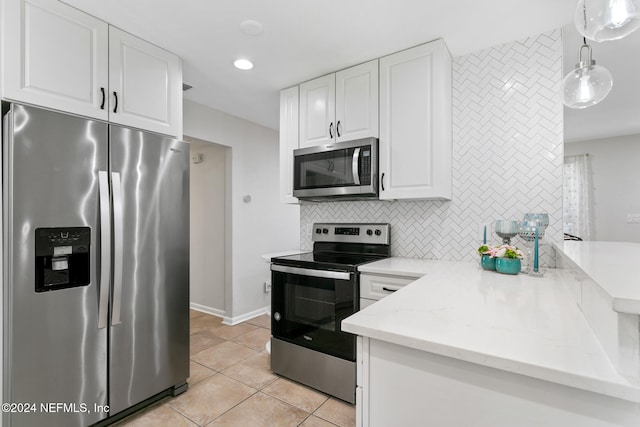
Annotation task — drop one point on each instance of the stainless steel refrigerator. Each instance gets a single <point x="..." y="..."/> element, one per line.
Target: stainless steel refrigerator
<point x="95" y="252"/>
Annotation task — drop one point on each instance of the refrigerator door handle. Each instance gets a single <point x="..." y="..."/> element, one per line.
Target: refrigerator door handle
<point x="105" y="249"/>
<point x="118" y="251"/>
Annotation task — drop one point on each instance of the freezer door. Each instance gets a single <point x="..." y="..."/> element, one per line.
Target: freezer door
<point x="55" y="355"/>
<point x="149" y="344"/>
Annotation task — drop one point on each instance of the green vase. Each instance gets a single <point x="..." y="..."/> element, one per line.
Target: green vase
<point x="508" y="265"/>
<point x="488" y="263"/>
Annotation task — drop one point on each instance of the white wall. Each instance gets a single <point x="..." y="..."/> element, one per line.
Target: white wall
<point x="615" y="178"/>
<point x="261" y="226"/>
<point x="208" y="195"/>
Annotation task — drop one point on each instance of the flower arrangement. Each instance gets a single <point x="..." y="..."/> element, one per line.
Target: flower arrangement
<point x="502" y="251"/>
<point x="504" y="258"/>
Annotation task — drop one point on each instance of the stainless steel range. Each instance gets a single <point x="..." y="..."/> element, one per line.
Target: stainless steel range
<point x="312" y="293"/>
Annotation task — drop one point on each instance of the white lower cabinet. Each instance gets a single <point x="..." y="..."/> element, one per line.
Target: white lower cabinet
<point x="415" y="123"/>
<point x="59" y="57"/>
<point x="364" y="302"/>
<point x="402" y="386"/>
<point x="374" y="287"/>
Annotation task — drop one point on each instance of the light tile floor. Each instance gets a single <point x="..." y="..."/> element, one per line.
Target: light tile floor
<point x="231" y="385"/>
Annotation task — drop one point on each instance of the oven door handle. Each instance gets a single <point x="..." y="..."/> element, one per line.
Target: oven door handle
<point x="323" y="274"/>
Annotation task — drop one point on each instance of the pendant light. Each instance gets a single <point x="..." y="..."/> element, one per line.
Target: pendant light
<point x="587" y="84"/>
<point x="602" y="20"/>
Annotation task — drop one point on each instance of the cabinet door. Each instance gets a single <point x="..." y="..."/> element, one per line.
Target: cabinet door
<point x="145" y="85"/>
<point x="415" y="123"/>
<point x="375" y="287"/>
<point x="317" y="111"/>
<point x="357" y="102"/>
<point x="54" y="56"/>
<point x="288" y="141"/>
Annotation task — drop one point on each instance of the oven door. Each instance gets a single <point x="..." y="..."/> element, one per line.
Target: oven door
<point x="342" y="169"/>
<point x="308" y="307"/>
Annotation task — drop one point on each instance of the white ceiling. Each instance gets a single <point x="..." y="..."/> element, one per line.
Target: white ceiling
<point x="303" y="39"/>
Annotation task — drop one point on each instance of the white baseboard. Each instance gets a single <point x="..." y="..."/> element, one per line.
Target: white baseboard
<point x="244" y="317"/>
<point x="203" y="308"/>
<point x="230" y="320"/>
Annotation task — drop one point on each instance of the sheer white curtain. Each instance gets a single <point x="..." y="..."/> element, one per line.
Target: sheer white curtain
<point x="577" y="196"/>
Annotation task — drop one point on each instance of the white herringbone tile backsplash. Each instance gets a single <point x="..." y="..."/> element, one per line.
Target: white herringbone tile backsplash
<point x="507" y="157"/>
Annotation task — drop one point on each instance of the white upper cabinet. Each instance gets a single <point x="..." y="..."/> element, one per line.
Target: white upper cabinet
<point x="317" y="111"/>
<point x="357" y="102"/>
<point x="415" y="123"/>
<point x="288" y="141"/>
<point x="55" y="56"/>
<point x="58" y="57"/>
<point x="145" y="85"/>
<point x="340" y="107"/>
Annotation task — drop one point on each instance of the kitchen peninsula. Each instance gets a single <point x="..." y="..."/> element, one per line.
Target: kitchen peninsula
<point x="463" y="346"/>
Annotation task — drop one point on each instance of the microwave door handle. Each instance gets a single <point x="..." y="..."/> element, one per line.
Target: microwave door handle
<point x="355" y="167"/>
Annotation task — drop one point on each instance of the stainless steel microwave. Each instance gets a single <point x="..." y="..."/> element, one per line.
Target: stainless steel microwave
<point x="347" y="170"/>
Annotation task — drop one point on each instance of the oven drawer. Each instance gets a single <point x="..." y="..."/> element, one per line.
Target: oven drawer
<point x="374" y="287"/>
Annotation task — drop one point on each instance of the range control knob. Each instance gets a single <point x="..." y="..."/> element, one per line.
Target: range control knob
<point x="325" y="231"/>
<point x="369" y="232"/>
<point x="318" y="230"/>
<point x="276" y="316"/>
<point x="378" y="232"/>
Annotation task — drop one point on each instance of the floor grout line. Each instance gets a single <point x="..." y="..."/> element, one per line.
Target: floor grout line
<point x="291" y="404"/>
<point x="239" y="403"/>
<point x="183" y="415"/>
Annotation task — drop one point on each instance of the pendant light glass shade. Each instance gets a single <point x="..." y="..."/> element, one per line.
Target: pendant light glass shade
<point x="587" y="84"/>
<point x="602" y="20"/>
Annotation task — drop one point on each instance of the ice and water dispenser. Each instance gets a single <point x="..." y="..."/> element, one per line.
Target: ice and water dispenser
<point x="62" y="258"/>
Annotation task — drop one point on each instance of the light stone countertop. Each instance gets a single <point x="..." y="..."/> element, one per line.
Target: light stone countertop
<point x="267" y="257"/>
<point x="406" y="267"/>
<point x="520" y="324"/>
<point x="614" y="266"/>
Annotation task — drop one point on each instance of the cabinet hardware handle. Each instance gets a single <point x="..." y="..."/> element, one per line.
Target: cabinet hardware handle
<point x="382" y="181"/>
<point x="103" y="98"/>
<point x="384" y="288"/>
<point x="338" y="129"/>
<point x="331" y="130"/>
<point x="115" y="108"/>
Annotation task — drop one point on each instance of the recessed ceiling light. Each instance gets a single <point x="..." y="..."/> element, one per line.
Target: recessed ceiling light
<point x="251" y="27"/>
<point x="243" y="64"/>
